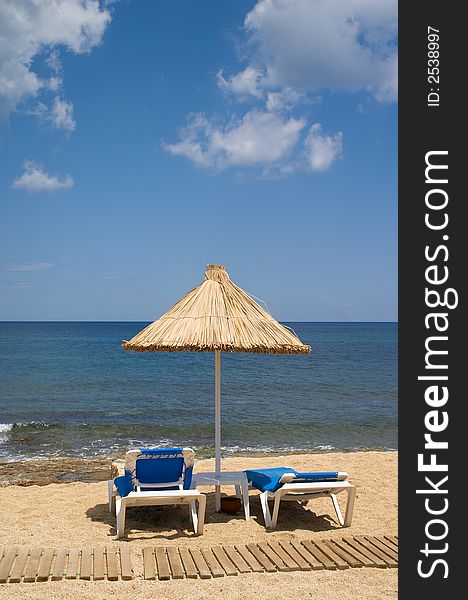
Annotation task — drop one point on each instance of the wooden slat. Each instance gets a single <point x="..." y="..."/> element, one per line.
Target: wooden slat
<point x="212" y="562"/>
<point x="59" y="564"/>
<point x="343" y="553"/>
<point x="8" y="559"/>
<point x="126" y="570"/>
<point x="376" y="542"/>
<point x="99" y="564"/>
<point x="163" y="564"/>
<point x="224" y="561"/>
<point x="237" y="559"/>
<point x="295" y="555"/>
<point x="378" y="562"/>
<point x="318" y="555"/>
<point x="262" y="558"/>
<point x="200" y="563"/>
<point x="175" y="563"/>
<point x="315" y="564"/>
<point x="390" y="562"/>
<point x="366" y="561"/>
<point x="393" y="539"/>
<point x="249" y="559"/>
<point x="16" y="571"/>
<point x="149" y="564"/>
<point x="112" y="564"/>
<point x="86" y="566"/>
<point x="187" y="561"/>
<point x="285" y="557"/>
<point x="388" y="544"/>
<point x="43" y="570"/>
<point x="336" y="558"/>
<point x="275" y="559"/>
<point x="72" y="567"/>
<point x="30" y="569"/>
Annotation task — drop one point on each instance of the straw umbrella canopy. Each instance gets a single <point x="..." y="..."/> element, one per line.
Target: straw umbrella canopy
<point x="217" y="316"/>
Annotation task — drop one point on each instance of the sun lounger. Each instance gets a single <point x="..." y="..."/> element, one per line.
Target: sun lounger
<point x="283" y="483"/>
<point x="156" y="476"/>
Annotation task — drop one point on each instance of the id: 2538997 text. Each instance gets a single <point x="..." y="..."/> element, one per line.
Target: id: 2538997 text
<point x="433" y="66"/>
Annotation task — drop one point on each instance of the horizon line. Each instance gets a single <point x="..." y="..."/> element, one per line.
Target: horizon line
<point x="149" y="321"/>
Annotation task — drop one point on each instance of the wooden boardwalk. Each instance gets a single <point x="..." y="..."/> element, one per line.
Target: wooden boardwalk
<point x="271" y="556"/>
<point x="23" y="564"/>
<point x="30" y="565"/>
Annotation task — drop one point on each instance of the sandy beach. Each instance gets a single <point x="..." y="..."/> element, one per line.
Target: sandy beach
<point x="75" y="514"/>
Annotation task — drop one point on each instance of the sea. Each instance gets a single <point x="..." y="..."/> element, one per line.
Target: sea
<point x="68" y="389"/>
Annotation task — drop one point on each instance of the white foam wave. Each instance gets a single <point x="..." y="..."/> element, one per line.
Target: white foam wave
<point x="4" y="429"/>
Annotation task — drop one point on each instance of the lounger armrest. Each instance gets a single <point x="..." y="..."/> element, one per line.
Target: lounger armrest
<point x="309" y="477"/>
<point x="287" y="478"/>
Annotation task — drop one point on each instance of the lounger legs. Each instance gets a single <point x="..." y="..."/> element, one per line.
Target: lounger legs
<point x="120" y="509"/>
<point x="245" y="499"/>
<point x="337" y="509"/>
<point x="271" y="521"/>
<point x="265" y="509"/>
<point x="346" y="521"/>
<point x="276" y="506"/>
<point x="110" y="491"/>
<point x="198" y="519"/>
<point x="350" y="506"/>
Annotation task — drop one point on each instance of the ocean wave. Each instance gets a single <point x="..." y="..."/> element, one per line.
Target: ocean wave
<point x="8" y="428"/>
<point x="4" y="429"/>
<point x="42" y="440"/>
<point x="33" y="424"/>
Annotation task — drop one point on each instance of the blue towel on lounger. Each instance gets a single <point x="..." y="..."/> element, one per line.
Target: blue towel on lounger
<point x="124" y="484"/>
<point x="269" y="479"/>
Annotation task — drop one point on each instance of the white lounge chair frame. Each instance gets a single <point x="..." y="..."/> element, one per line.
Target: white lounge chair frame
<point x="155" y="497"/>
<point x="309" y="491"/>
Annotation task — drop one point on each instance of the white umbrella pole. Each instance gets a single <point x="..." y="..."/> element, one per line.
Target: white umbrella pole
<point x="217" y="426"/>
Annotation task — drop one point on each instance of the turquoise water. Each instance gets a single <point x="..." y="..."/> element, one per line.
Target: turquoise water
<point x="70" y="389"/>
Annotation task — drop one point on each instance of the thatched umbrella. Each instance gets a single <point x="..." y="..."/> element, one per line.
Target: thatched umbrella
<point x="217" y="316"/>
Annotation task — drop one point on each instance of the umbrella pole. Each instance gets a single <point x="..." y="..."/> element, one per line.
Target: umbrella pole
<point x="217" y="426"/>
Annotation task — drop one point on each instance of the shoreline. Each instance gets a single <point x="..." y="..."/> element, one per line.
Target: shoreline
<point x="45" y="471"/>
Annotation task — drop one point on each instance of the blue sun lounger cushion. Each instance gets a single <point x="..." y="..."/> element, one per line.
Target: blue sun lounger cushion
<point x="270" y="479"/>
<point x="151" y="468"/>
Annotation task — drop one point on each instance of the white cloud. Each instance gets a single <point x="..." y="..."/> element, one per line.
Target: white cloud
<point x="325" y="44"/>
<point x="243" y="84"/>
<point x="17" y="286"/>
<point x="28" y="27"/>
<point x="31" y="266"/>
<point x="35" y="179"/>
<point x="259" y="138"/>
<point x="59" y="114"/>
<point x="62" y="115"/>
<point x="322" y="150"/>
<point x="53" y="61"/>
<point x="287" y="99"/>
<point x="295" y="49"/>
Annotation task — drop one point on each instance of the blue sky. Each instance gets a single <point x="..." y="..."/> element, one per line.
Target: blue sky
<point x="141" y="140"/>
